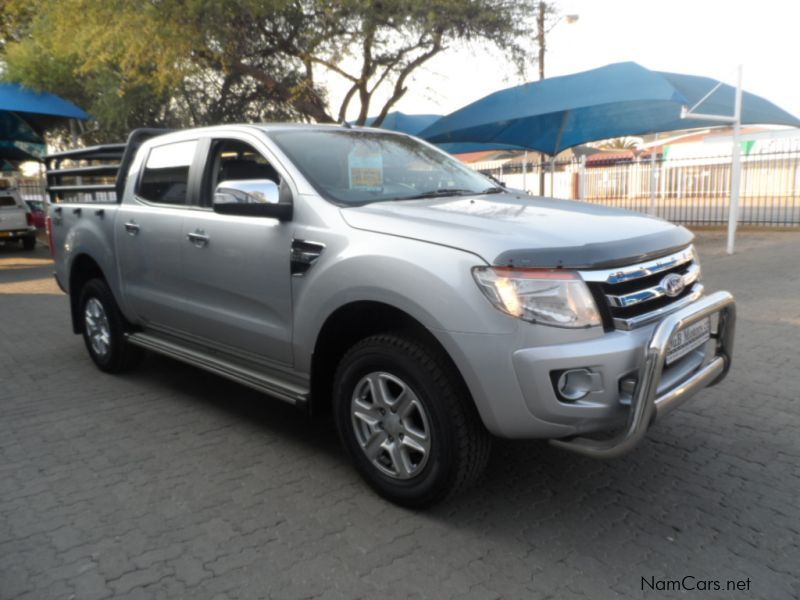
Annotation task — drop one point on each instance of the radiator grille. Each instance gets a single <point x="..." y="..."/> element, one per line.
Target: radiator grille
<point x="635" y="295"/>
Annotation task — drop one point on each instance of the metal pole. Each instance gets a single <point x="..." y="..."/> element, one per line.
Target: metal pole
<point x="552" y="176"/>
<point x="582" y="179"/>
<point x="541" y="174"/>
<point x="652" y="210"/>
<point x="736" y="163"/>
<point x="73" y="132"/>
<point x="525" y="172"/>
<point x="540" y="23"/>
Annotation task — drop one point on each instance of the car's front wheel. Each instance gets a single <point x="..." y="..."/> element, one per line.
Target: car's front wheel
<point x="407" y="420"/>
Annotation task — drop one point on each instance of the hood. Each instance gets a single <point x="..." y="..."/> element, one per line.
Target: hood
<point x="526" y="231"/>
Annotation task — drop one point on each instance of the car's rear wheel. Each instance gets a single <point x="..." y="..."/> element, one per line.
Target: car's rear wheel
<point x="406" y="419"/>
<point x="29" y="243"/>
<point x="104" y="329"/>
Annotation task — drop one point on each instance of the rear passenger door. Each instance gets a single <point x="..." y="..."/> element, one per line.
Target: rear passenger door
<point x="236" y="268"/>
<point x="148" y="235"/>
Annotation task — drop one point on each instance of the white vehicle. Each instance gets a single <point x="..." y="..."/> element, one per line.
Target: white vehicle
<point x="16" y="221"/>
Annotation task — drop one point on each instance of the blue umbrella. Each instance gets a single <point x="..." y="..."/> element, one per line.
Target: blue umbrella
<point x="413" y="124"/>
<point x="463" y="147"/>
<point x="24" y="117"/>
<point x="612" y="101"/>
<point x="18" y="140"/>
<point x="399" y="121"/>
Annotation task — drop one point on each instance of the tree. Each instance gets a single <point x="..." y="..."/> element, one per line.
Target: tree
<point x="620" y="143"/>
<point x="13" y="19"/>
<point x="196" y="62"/>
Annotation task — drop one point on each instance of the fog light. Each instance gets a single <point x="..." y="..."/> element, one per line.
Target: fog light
<point x="575" y="384"/>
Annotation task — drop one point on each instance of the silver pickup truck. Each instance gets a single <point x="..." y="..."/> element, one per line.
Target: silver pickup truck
<point x="369" y="274"/>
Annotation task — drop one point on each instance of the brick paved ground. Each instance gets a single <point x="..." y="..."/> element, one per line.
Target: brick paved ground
<point x="172" y="483"/>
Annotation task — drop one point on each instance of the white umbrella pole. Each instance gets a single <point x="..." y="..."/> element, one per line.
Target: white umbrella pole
<point x="736" y="164"/>
<point x="525" y="172"/>
<point x="736" y="150"/>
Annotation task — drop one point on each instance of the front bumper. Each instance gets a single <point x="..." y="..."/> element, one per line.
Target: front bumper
<point x="646" y="403"/>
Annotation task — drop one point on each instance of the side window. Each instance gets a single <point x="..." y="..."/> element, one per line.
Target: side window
<point x="234" y="160"/>
<point x="165" y="178"/>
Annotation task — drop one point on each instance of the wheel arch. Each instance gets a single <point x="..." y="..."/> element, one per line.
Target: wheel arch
<point x="355" y="321"/>
<point x="83" y="269"/>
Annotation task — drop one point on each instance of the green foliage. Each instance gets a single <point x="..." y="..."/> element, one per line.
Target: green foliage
<point x="621" y="143"/>
<point x="195" y="62"/>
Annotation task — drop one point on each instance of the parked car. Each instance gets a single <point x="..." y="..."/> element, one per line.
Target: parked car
<point x="38" y="213"/>
<point x="368" y="273"/>
<point x="16" y="220"/>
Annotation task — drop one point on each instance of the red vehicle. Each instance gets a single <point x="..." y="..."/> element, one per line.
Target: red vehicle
<point x="37" y="212"/>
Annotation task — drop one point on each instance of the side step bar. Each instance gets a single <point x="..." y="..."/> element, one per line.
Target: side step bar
<point x="272" y="384"/>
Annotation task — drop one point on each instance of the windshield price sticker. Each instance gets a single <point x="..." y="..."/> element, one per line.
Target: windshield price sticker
<point x="366" y="171"/>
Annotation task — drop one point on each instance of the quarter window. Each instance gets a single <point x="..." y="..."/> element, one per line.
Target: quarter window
<point x="166" y="173"/>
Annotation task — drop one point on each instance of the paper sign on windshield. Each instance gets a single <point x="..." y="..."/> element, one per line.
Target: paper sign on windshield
<point x="366" y="171"/>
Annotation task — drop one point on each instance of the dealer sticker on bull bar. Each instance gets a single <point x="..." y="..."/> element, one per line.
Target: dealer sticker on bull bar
<point x="687" y="339"/>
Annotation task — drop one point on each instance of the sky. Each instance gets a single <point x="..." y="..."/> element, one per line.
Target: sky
<point x="698" y="37"/>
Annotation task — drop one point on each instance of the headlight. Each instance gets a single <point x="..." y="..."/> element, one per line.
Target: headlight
<point x="548" y="296"/>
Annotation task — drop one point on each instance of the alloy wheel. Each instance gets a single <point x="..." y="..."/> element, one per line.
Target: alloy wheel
<point x="97" y="327"/>
<point x="391" y="425"/>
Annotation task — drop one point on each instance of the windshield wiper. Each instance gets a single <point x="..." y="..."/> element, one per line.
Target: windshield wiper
<point x="495" y="189"/>
<point x="441" y="193"/>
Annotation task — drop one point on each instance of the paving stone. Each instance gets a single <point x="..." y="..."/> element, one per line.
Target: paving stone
<point x="172" y="483"/>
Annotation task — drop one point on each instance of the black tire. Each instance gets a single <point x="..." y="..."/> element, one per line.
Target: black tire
<point x="121" y="356"/>
<point x="459" y="443"/>
<point x="28" y="243"/>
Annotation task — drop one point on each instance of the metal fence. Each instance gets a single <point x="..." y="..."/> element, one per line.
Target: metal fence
<point x="693" y="191"/>
<point x="31" y="188"/>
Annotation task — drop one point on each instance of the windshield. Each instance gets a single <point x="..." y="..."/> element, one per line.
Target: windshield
<point x="355" y="167"/>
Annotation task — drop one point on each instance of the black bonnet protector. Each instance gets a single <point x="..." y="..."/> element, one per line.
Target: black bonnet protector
<point x="604" y="255"/>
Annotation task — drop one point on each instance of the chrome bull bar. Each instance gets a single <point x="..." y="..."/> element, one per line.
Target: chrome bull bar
<point x="645" y="405"/>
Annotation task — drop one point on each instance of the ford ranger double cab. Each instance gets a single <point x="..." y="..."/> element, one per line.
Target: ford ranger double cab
<point x="369" y="274"/>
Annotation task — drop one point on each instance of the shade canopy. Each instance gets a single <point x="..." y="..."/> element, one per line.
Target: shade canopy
<point x="414" y="124"/>
<point x="24" y="117"/>
<point x="612" y="101"/>
<point x="40" y="109"/>
<point x="410" y="124"/>
<point x="18" y="140"/>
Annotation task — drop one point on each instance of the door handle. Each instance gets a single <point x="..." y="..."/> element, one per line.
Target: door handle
<point x="198" y="238"/>
<point x="132" y="227"/>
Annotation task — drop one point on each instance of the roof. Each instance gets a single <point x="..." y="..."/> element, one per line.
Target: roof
<point x="19" y="99"/>
<point x="313" y="127"/>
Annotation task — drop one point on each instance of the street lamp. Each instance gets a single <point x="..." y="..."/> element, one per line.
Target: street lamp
<point x="542" y="30"/>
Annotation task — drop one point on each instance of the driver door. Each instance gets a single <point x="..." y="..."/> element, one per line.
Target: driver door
<point x="236" y="268"/>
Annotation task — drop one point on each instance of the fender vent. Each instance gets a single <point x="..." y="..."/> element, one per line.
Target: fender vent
<point x="304" y="255"/>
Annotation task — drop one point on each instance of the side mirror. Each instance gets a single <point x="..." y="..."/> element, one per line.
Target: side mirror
<point x="253" y="198"/>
